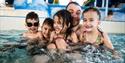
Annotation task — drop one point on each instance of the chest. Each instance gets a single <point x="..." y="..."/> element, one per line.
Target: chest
<point x="32" y="36"/>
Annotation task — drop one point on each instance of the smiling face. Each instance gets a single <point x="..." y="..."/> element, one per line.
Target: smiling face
<point x="58" y="24"/>
<point x="32" y="25"/>
<point x="90" y="21"/>
<point x="46" y="29"/>
<point x="75" y="11"/>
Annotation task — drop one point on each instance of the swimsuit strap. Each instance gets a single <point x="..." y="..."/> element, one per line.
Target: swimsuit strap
<point x="99" y="38"/>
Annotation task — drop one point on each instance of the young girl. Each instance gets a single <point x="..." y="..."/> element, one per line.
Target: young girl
<point x="62" y="20"/>
<point x="91" y="33"/>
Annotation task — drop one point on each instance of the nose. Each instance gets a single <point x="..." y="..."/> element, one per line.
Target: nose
<point x="74" y="15"/>
<point x="87" y="22"/>
<point x="46" y="31"/>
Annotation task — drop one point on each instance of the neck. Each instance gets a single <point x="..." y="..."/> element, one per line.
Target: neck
<point x="75" y="28"/>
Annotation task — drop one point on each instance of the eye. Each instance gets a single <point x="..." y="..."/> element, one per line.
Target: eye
<point x="78" y="13"/>
<point x="91" y="20"/>
<point x="45" y="28"/>
<point x="71" y="11"/>
<point x="84" y="20"/>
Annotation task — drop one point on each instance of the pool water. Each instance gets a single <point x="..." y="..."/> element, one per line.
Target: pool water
<point x="17" y="55"/>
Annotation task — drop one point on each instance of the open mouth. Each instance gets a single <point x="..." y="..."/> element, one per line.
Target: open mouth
<point x="87" y="27"/>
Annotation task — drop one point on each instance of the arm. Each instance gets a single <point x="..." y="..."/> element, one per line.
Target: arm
<point x="107" y="42"/>
<point x="74" y="37"/>
<point x="51" y="37"/>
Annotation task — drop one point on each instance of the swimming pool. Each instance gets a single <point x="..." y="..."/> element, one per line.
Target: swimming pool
<point x="17" y="55"/>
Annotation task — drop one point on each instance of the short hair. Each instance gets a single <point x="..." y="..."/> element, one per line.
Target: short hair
<point x="110" y="12"/>
<point x="92" y="9"/>
<point x="72" y="3"/>
<point x="49" y="22"/>
<point x="32" y="15"/>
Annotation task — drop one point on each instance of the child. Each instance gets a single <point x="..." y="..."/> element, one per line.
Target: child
<point x="32" y="24"/>
<point x="110" y="15"/>
<point x="62" y="20"/>
<point x="46" y="29"/>
<point x="91" y="33"/>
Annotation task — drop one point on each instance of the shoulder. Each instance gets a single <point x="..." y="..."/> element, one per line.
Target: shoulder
<point x="25" y="34"/>
<point x="79" y="30"/>
<point x="53" y="33"/>
<point x="105" y="35"/>
<point x="39" y="33"/>
<point x="107" y="41"/>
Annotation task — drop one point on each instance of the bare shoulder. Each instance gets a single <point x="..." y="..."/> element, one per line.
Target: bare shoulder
<point x="73" y="34"/>
<point x="39" y="33"/>
<point x="105" y="35"/>
<point x="107" y="41"/>
<point x="52" y="33"/>
<point x="52" y="36"/>
<point x="25" y="34"/>
<point x="79" y="31"/>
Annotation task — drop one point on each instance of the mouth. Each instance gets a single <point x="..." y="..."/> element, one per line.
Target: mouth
<point x="57" y="28"/>
<point x="87" y="27"/>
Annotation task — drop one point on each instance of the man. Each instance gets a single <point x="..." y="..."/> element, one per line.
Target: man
<point x="75" y="10"/>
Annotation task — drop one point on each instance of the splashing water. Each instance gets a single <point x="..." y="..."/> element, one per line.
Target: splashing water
<point x="87" y="53"/>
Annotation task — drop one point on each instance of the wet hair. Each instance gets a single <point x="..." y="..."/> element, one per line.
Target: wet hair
<point x="93" y="9"/>
<point x="49" y="22"/>
<point x="110" y="12"/>
<point x="72" y="3"/>
<point x="32" y="15"/>
<point x="65" y="15"/>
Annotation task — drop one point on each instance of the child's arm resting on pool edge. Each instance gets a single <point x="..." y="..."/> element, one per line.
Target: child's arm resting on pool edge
<point x="108" y="44"/>
<point x="107" y="41"/>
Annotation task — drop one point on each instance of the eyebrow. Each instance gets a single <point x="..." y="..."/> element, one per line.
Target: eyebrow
<point x="71" y="9"/>
<point x="78" y="10"/>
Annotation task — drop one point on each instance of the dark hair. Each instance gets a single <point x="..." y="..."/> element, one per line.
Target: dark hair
<point x="65" y="15"/>
<point x="110" y="12"/>
<point x="49" y="22"/>
<point x="32" y="15"/>
<point x="93" y="9"/>
<point x="72" y="3"/>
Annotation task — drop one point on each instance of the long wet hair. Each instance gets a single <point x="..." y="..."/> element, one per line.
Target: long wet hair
<point x="66" y="17"/>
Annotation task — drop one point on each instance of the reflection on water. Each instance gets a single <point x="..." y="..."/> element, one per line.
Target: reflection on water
<point x="88" y="53"/>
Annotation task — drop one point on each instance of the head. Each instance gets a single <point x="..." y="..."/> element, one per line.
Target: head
<point x="91" y="19"/>
<point x="110" y="12"/>
<point x="62" y="21"/>
<point x="75" y="10"/>
<point x="47" y="27"/>
<point x="32" y="21"/>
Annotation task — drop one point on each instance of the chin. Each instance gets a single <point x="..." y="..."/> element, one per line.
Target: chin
<point x="57" y="32"/>
<point x="88" y="30"/>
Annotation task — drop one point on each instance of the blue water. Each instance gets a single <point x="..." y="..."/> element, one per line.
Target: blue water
<point x="16" y="55"/>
